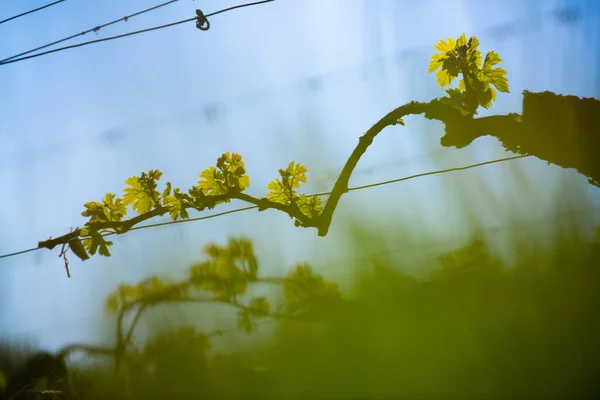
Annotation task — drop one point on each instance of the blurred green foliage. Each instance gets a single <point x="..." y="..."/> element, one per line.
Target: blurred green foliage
<point x="474" y="328"/>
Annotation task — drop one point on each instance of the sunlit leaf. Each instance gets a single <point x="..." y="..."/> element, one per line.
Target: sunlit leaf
<point x="235" y="169"/>
<point x="277" y="192"/>
<point x="444" y="78"/>
<point x="234" y="162"/>
<point x="494" y="76"/>
<point x="114" y="208"/>
<point x="212" y="182"/>
<point x="137" y="196"/>
<point x="243" y="182"/>
<point x="176" y="207"/>
<point x="298" y="174"/>
<point x="111" y="209"/>
<point x="473" y="58"/>
<point x="444" y="46"/>
<point x="230" y="173"/>
<point x="95" y="211"/>
<point x="282" y="190"/>
<point x="444" y="60"/>
<point x="435" y="63"/>
<point x="311" y="206"/>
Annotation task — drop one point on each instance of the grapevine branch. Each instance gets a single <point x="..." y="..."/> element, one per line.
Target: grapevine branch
<point x="432" y="110"/>
<point x="524" y="134"/>
<point x="253" y="207"/>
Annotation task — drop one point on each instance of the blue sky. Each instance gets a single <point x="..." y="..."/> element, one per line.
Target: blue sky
<point x="285" y="81"/>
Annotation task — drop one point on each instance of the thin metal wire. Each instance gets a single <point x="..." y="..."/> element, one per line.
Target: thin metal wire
<point x="94" y="29"/>
<point x="13" y="59"/>
<point x="30" y="11"/>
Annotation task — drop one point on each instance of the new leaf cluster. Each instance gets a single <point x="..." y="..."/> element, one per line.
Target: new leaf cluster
<point x="459" y="56"/>
<point x="218" y="184"/>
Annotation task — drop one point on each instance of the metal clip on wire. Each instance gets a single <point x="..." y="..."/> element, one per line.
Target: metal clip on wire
<point x="201" y="21"/>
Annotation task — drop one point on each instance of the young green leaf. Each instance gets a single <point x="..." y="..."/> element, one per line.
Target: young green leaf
<point x="176" y="205"/>
<point x="282" y="191"/>
<point x="444" y="77"/>
<point x="139" y="197"/>
<point x="115" y="209"/>
<point x="212" y="182"/>
<point x="473" y="58"/>
<point x="443" y="47"/>
<point x="277" y="192"/>
<point x="297" y="174"/>
<point x="311" y="206"/>
<point x="494" y="76"/>
<point x="446" y="61"/>
<point x="95" y="211"/>
<point x="243" y="182"/>
<point x="230" y="173"/>
<point x="233" y="162"/>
